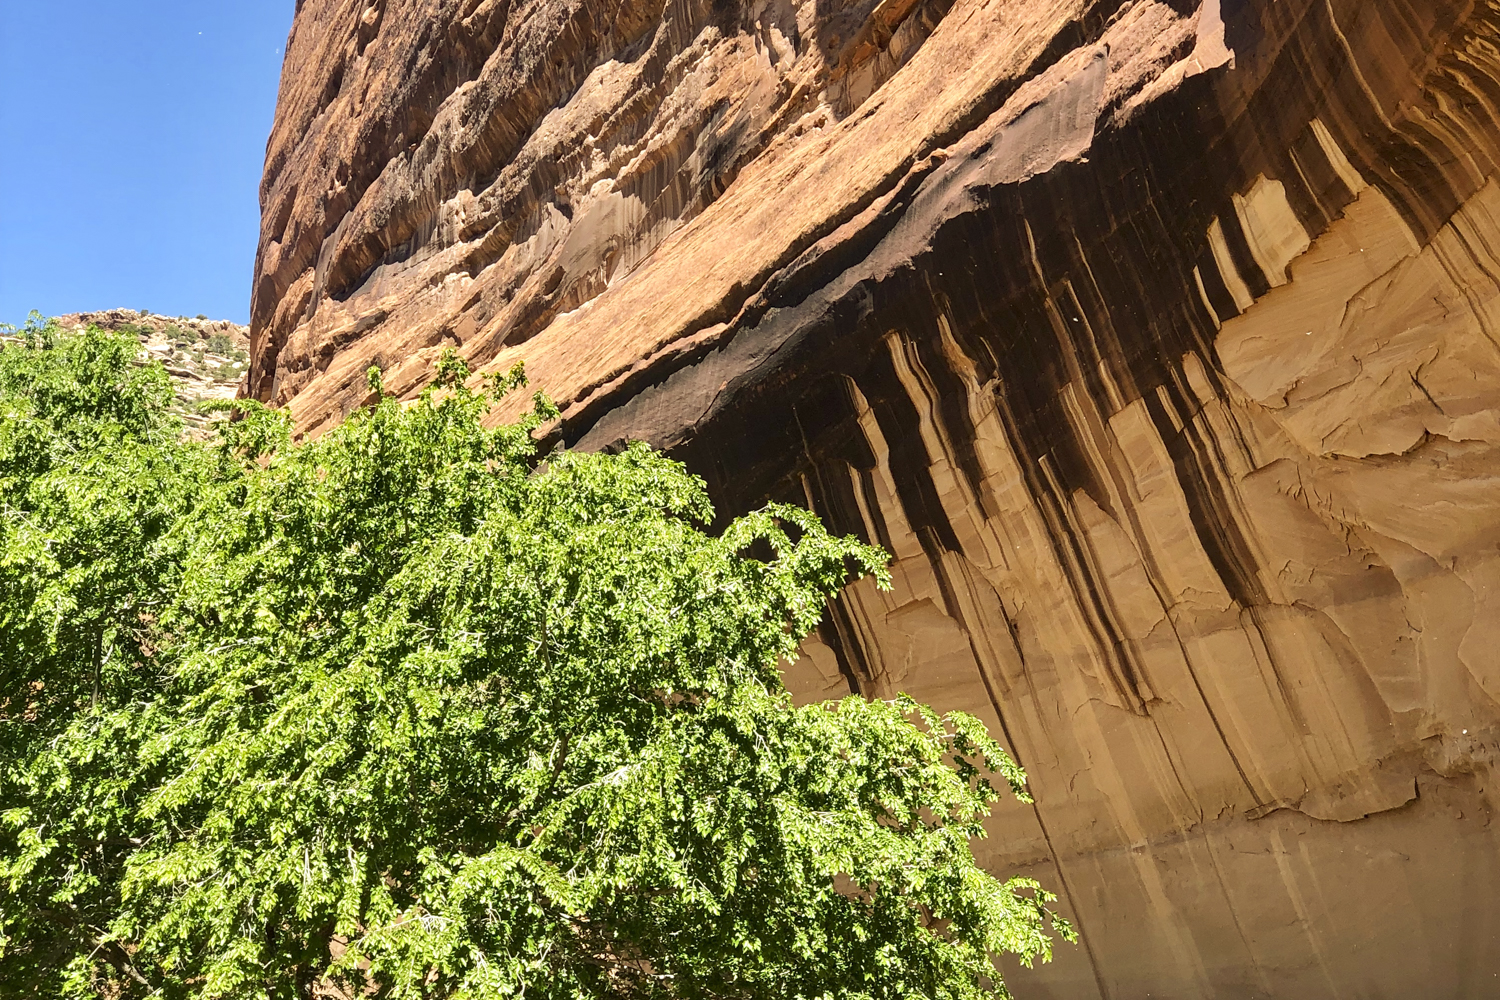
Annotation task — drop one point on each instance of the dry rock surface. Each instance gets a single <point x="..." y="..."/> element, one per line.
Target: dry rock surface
<point x="1157" y="340"/>
<point x="206" y="359"/>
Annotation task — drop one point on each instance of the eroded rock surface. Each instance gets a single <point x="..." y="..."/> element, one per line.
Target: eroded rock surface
<point x="205" y="358"/>
<point x="1158" y="341"/>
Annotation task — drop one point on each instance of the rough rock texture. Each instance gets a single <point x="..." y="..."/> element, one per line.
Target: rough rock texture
<point x="181" y="343"/>
<point x="183" y="330"/>
<point x="1159" y="341"/>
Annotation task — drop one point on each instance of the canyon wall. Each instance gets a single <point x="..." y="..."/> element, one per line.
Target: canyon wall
<point x="1158" y="341"/>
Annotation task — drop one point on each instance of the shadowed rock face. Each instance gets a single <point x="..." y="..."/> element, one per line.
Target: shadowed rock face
<point x="1158" y="341"/>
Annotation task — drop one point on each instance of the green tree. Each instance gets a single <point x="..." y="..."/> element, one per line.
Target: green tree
<point x="94" y="483"/>
<point x="415" y="709"/>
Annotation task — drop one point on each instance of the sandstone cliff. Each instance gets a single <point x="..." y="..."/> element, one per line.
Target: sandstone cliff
<point x="1158" y="340"/>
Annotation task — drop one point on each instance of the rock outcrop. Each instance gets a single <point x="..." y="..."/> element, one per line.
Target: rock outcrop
<point x="1159" y="341"/>
<point x="205" y="358"/>
<point x="183" y="331"/>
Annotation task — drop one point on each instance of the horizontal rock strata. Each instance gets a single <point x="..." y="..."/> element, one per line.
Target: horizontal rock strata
<point x="1159" y="342"/>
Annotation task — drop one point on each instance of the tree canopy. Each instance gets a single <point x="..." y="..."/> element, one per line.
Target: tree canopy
<point x="414" y="710"/>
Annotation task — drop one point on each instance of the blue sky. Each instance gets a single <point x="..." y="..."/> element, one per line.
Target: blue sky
<point x="135" y="133"/>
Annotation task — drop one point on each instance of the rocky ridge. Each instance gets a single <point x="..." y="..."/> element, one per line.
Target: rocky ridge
<point x="1156" y="340"/>
<point x="206" y="359"/>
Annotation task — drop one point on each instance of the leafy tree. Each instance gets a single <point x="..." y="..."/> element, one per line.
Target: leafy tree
<point x="415" y="711"/>
<point x="94" y="481"/>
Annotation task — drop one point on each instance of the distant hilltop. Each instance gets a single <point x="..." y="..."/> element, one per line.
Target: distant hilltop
<point x="186" y="329"/>
<point x="206" y="358"/>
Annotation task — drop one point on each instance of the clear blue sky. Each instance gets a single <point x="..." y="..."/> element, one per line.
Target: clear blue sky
<point x="135" y="132"/>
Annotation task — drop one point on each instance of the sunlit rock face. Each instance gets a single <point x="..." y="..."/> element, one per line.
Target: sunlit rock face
<point x="1159" y="342"/>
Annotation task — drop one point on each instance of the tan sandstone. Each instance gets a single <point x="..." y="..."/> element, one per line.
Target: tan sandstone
<point x="1159" y="342"/>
